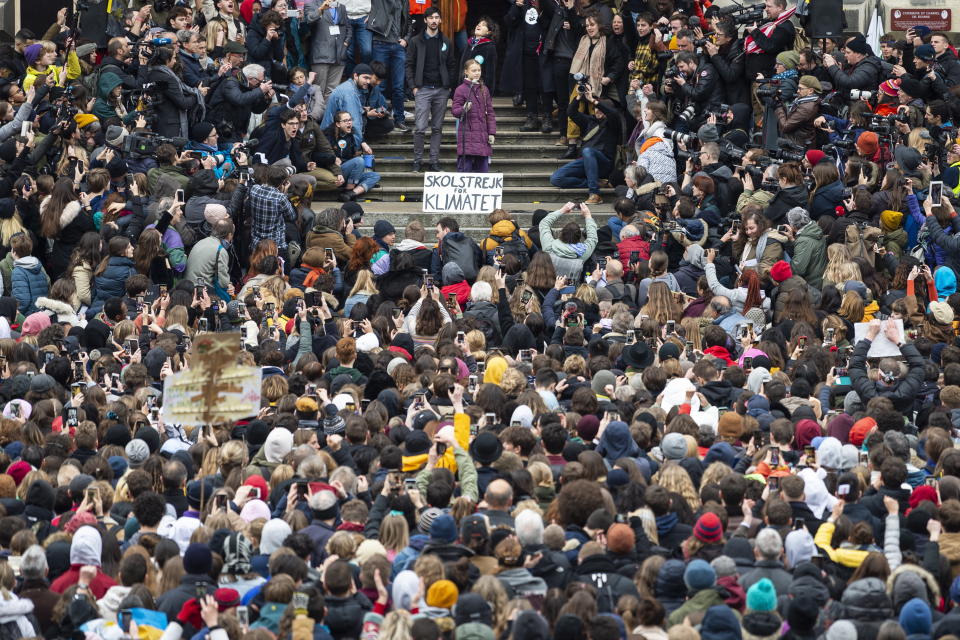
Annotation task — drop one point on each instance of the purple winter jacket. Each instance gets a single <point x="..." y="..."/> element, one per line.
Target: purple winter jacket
<point x="477" y="123"/>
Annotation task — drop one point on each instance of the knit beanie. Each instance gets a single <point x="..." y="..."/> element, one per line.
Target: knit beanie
<point x="621" y="538"/>
<point x="442" y="594"/>
<point x="708" y="529"/>
<point x="197" y="559"/>
<point x="762" y="596"/>
<point x="699" y="575"/>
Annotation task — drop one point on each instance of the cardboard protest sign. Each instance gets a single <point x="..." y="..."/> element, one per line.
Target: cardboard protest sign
<point x="462" y="192"/>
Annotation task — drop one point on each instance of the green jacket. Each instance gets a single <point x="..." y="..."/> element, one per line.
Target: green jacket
<point x="696" y="607"/>
<point x="466" y="476"/>
<point x="567" y="258"/>
<point x="810" y="255"/>
<point x="170" y="172"/>
<point x="6" y="269"/>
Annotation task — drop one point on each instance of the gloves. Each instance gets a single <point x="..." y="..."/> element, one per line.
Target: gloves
<point x="190" y="614"/>
<point x="467" y="106"/>
<point x="490" y="139"/>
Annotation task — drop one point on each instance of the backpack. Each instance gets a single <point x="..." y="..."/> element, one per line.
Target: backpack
<point x="513" y="245"/>
<point x="621" y="292"/>
<point x="859" y="242"/>
<point x="462" y="252"/>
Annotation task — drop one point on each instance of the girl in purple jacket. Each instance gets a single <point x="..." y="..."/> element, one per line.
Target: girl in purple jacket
<point x="477" y="126"/>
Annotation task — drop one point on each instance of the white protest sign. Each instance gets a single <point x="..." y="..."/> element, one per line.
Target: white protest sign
<point x="462" y="192"/>
<point x="881" y="347"/>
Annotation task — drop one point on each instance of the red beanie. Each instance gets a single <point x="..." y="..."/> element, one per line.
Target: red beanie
<point x="860" y="429"/>
<point x="781" y="271"/>
<point x="708" y="529"/>
<point x="814" y="156"/>
<point x="868" y="143"/>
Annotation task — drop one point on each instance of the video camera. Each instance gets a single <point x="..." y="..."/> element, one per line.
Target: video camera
<point x="769" y="89"/>
<point x="841" y="146"/>
<point x="147" y="143"/>
<point x="741" y="14"/>
<point x="686" y="138"/>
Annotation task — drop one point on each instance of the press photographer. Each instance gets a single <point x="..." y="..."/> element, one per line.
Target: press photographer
<point x="697" y="86"/>
<point x="726" y="56"/>
<point x="863" y="70"/>
<point x="175" y="104"/>
<point x="797" y="121"/>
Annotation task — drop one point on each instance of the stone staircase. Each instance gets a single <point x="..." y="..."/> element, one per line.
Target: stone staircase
<point x="527" y="159"/>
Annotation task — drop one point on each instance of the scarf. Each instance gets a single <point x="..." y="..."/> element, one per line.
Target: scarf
<point x="590" y="64"/>
<point x="665" y="523"/>
<point x="184" y="117"/>
<point x="474" y="41"/>
<point x="786" y="75"/>
<point x="749" y="46"/>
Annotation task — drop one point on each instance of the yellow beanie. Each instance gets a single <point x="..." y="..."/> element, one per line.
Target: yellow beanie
<point x="442" y="594"/>
<point x="891" y="220"/>
<point x="83" y="119"/>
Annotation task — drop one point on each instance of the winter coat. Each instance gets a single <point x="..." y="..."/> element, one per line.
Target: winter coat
<point x="28" y="282"/>
<point x="655" y="154"/>
<point x="324" y="237"/>
<point x="825" y="200"/>
<point x="111" y="283"/>
<point x="567" y="259"/>
<point x="344" y="616"/>
<point x="599" y="571"/>
<point x="902" y="393"/>
<point x="209" y="261"/>
<point x="173" y="100"/>
<point x="233" y="102"/>
<point x="736" y="296"/>
<point x="770" y="569"/>
<point x="170" y="602"/>
<point x="783" y="201"/>
<point x="74" y="222"/>
<point x="629" y="245"/>
<point x="866" y="74"/>
<point x="105" y="85"/>
<point x="810" y="255"/>
<point x="729" y="63"/>
<point x="327" y="47"/>
<point x="511" y="76"/>
<point x="266" y="53"/>
<point x="697" y="606"/>
<point x="477" y="121"/>
<point x="520" y="583"/>
<point x="796" y="123"/>
<point x="44" y="600"/>
<point x="484" y="51"/>
<point x="61" y="311"/>
<point x="866" y="604"/>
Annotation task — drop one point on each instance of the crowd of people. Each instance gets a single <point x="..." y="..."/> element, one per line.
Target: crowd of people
<point x="725" y="412"/>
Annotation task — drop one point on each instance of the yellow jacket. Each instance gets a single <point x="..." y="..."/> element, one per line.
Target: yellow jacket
<point x="461" y="430"/>
<point x="852" y="558"/>
<point x="73" y="71"/>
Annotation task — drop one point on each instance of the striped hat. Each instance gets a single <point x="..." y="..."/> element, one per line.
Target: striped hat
<point x="708" y="529"/>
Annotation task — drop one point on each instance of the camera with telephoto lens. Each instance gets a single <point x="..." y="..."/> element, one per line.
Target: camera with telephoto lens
<point x="769" y="89"/>
<point x="678" y="137"/>
<point x="881" y="125"/>
<point x="683" y="156"/>
<point x="671" y="72"/>
<point x="687" y="114"/>
<point x="665" y="55"/>
<point x="860" y="94"/>
<point x="731" y="153"/>
<point x="785" y="155"/>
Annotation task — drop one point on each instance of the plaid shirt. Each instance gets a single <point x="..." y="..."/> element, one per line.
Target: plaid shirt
<point x="269" y="208"/>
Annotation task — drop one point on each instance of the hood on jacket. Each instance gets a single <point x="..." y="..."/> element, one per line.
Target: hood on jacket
<point x="720" y="623"/>
<point x="915" y="617"/>
<point x="86" y="546"/>
<point x="669" y="583"/>
<point x="30" y="263"/>
<point x="274" y="533"/>
<point x="505" y="228"/>
<point x="616" y="442"/>
<point x="912" y="581"/>
<point x="409" y="245"/>
<point x="108" y="82"/>
<point x="866" y="599"/>
<point x="41" y="494"/>
<point x="695" y="256"/>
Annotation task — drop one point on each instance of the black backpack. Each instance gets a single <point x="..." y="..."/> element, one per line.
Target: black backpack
<point x="463" y="252"/>
<point x="512" y="245"/>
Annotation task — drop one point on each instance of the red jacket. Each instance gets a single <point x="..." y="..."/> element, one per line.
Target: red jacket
<point x="626" y="247"/>
<point x="462" y="289"/>
<point x="98" y="587"/>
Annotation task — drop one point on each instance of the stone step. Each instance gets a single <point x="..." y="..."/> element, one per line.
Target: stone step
<point x="512" y="178"/>
<point x="509" y="137"/>
<point x="507" y="164"/>
<point x="394" y="149"/>
<point x="530" y="196"/>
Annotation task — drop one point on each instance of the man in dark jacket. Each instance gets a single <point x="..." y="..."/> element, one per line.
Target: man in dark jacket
<point x="191" y="52"/>
<point x="698" y="86"/>
<point x="345" y="607"/>
<point x="900" y="391"/>
<point x="603" y="134"/>
<point x="946" y="59"/>
<point x="430" y="72"/>
<point x="597" y="569"/>
<point x="726" y="56"/>
<point x="864" y="70"/>
<point x="763" y="44"/>
<point x="36" y="588"/>
<point x="792" y="490"/>
<point x="238" y="95"/>
<point x="719" y="392"/>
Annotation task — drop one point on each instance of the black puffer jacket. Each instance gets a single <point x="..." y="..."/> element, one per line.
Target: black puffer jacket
<point x="344" y="616"/>
<point x="600" y="571"/>
<point x="866" y="604"/>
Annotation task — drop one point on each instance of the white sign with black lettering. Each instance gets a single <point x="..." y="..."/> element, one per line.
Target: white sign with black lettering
<point x="462" y="192"/>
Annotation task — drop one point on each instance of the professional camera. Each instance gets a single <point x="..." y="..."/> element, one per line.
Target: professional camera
<point x="687" y="114"/>
<point x="768" y="89"/>
<point x="731" y="153"/>
<point x="860" y="94"/>
<point x="683" y="156"/>
<point x="786" y="156"/>
<point x="699" y="42"/>
<point x="685" y="138"/>
<point x="881" y="125"/>
<point x="663" y="28"/>
<point x="720" y="112"/>
<point x="147" y="143"/>
<point x="665" y="55"/>
<point x="671" y="72"/>
<point x="750" y="15"/>
<point x="581" y="82"/>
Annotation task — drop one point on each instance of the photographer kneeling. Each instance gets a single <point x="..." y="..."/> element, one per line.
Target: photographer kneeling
<point x="602" y="134"/>
<point x="796" y="122"/>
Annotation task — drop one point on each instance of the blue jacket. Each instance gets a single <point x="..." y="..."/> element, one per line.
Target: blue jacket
<point x="111" y="283"/>
<point x="826" y="199"/>
<point x="29" y="282"/>
<point x="346" y="97"/>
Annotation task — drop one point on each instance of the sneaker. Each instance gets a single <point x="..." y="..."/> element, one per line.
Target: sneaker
<point x="548" y="125"/>
<point x="531" y="124"/>
<point x="417" y="166"/>
<point x="401" y="127"/>
<point x="594" y="199"/>
<point x="435" y="167"/>
<point x="407" y="115"/>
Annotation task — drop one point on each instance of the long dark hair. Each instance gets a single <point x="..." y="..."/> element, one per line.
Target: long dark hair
<point x="115" y="248"/>
<point x="61" y="196"/>
<point x="88" y="250"/>
<point x="149" y="246"/>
